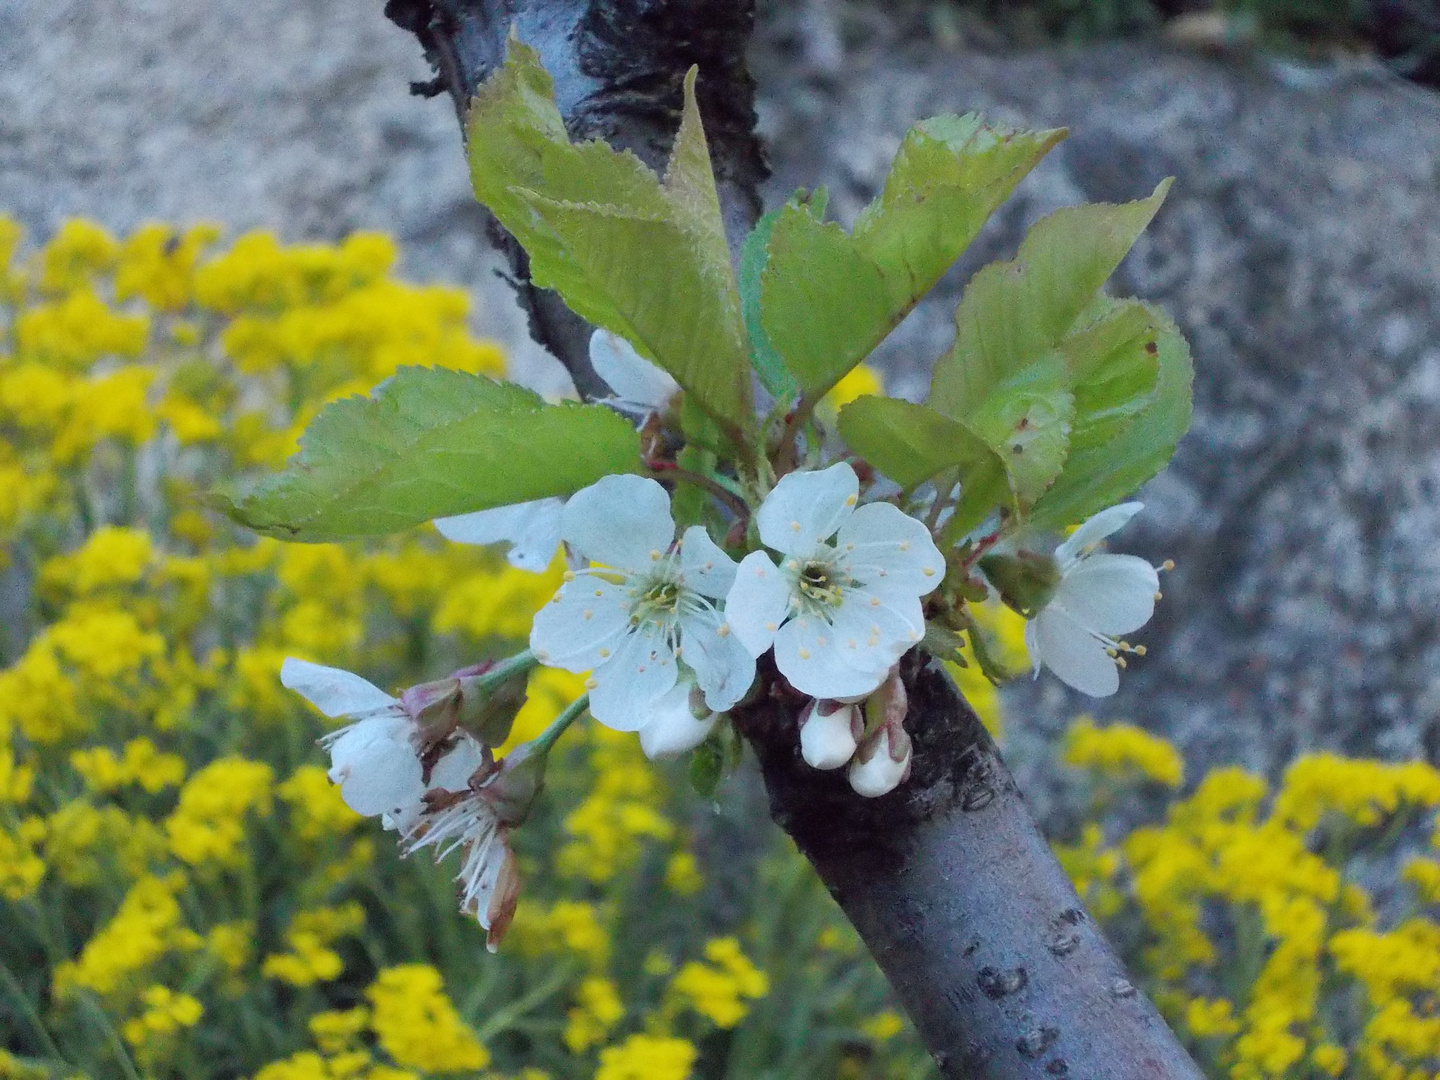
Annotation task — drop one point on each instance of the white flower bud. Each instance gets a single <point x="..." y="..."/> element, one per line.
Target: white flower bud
<point x="680" y="721"/>
<point x="829" y="731"/>
<point x="881" y="762"/>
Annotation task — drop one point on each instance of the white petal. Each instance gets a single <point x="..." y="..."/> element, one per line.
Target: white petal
<point x="876" y="626"/>
<point x="880" y="541"/>
<point x="333" y="691"/>
<point x="815" y="663"/>
<point x="630" y="375"/>
<point x="453" y="771"/>
<point x="1097" y="528"/>
<point x="1075" y="655"/>
<point x="532" y="529"/>
<point x="1032" y="646"/>
<point x="628" y="684"/>
<point x="805" y="508"/>
<point x="621" y="521"/>
<point x="672" y="728"/>
<point x="723" y="666"/>
<point x="881" y="774"/>
<point x="705" y="567"/>
<point x="1114" y="594"/>
<point x="378" y="776"/>
<point x="534" y="548"/>
<point x="582" y="625"/>
<point x="828" y="742"/>
<point x="758" y="602"/>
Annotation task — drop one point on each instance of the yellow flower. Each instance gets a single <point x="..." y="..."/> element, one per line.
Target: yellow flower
<point x="1207" y="1018"/>
<point x="1122" y="750"/>
<point x="721" y="989"/>
<point x="141" y="763"/>
<point x="859" y="381"/>
<point x="78" y="252"/>
<point x="884" y="1026"/>
<point x="418" y="1026"/>
<point x="598" y="1009"/>
<point x="1365" y="792"/>
<point x="73" y="333"/>
<point x="569" y="925"/>
<point x="208" y="825"/>
<point x="111" y="556"/>
<point x="157" y="264"/>
<point x="166" y="1012"/>
<point x="682" y="874"/>
<point x="318" y="813"/>
<point x="647" y="1057"/>
<point x="147" y="926"/>
<point x="21" y="870"/>
<point x="311" y="933"/>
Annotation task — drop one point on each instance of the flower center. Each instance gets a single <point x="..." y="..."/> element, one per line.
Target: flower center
<point x="823" y="584"/>
<point x="657" y="603"/>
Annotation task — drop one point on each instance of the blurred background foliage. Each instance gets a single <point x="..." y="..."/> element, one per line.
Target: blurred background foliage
<point x="183" y="894"/>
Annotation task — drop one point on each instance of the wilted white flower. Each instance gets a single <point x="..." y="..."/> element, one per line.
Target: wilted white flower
<point x="829" y="733"/>
<point x="1099" y="597"/>
<point x="373" y="759"/>
<point x="679" y="721"/>
<point x="838" y="615"/>
<point x="647" y="605"/>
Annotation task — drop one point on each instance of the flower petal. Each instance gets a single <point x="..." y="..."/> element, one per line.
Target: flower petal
<point x="881" y="773"/>
<point x="333" y="691"/>
<point x="620" y="521"/>
<point x="704" y="565"/>
<point x="758" y="602"/>
<point x="672" y="728"/>
<point x="1113" y="594"/>
<point x="1075" y="655"/>
<point x="828" y="742"/>
<point x="532" y="529"/>
<point x="628" y="684"/>
<point x="876" y="626"/>
<point x="815" y="663"/>
<point x="882" y="541"/>
<point x="633" y="378"/>
<point x="723" y="666"/>
<point x="805" y="508"/>
<point x="582" y="624"/>
<point x="377" y="775"/>
<point x="1095" y="529"/>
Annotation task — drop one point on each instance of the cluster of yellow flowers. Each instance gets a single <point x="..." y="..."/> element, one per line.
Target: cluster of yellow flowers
<point x="184" y="894"/>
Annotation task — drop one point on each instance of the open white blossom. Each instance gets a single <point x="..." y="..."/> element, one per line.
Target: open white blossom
<point x="1099" y="597"/>
<point x="679" y="721"/>
<point x="637" y="382"/>
<point x="647" y="604"/>
<point x="839" y="615"/>
<point x="372" y="759"/>
<point x="532" y="529"/>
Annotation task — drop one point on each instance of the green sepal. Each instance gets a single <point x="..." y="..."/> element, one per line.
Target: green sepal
<point x="428" y="443"/>
<point x="707" y="765"/>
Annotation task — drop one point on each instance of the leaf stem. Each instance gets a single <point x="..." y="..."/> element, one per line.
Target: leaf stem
<point x="666" y="471"/>
<point x="506" y="669"/>
<point x="546" y="739"/>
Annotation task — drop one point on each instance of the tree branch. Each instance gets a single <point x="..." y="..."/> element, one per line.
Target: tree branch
<point x="947" y="879"/>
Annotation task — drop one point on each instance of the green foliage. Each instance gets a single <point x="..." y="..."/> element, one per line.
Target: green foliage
<point x="428" y="443"/>
<point x="911" y="443"/>
<point x="644" y="259"/>
<point x="769" y="366"/>
<point x="828" y="297"/>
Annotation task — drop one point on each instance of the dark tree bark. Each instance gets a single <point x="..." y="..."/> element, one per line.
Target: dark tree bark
<point x="947" y="879"/>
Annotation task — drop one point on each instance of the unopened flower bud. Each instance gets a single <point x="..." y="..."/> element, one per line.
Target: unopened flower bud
<point x="1025" y="580"/>
<point x="680" y="722"/>
<point x="829" y="731"/>
<point x="881" y="762"/>
<point x="888" y="704"/>
<point x="512" y="790"/>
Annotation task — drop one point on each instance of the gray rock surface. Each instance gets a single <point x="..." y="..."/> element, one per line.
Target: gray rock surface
<point x="1300" y="250"/>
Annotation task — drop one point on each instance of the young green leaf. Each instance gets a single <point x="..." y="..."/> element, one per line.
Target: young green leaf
<point x="768" y="365"/>
<point x="1099" y="476"/>
<point x="1114" y="363"/>
<point x="644" y="259"/>
<point x="429" y="443"/>
<point x="827" y="298"/>
<point x="910" y="443"/>
<point x="1014" y="312"/>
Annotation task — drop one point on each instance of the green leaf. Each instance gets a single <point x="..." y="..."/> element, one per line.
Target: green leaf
<point x="768" y="365"/>
<point x="827" y="298"/>
<point x="429" y="443"/>
<point x="1015" y="312"/>
<point x="1100" y="476"/>
<point x="644" y="259"/>
<point x="1026" y="420"/>
<point x="910" y="443"/>
<point x="1114" y="363"/>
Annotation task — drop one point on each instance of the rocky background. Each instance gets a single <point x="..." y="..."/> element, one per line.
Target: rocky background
<point x="1299" y="250"/>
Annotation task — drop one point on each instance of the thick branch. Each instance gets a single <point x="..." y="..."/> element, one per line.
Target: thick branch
<point x="947" y="879"/>
<point x="618" y="67"/>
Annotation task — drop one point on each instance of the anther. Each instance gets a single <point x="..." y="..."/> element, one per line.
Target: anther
<point x="1168" y="564"/>
<point x="604" y="653"/>
<point x="654" y="555"/>
<point x="723" y="630"/>
<point x="569" y="575"/>
<point x="590" y="683"/>
<point x="1159" y="596"/>
<point x="849" y="500"/>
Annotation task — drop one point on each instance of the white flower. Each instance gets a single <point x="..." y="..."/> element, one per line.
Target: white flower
<point x="451" y="773"/>
<point x="637" y="382"/>
<point x="839" y="615"/>
<point x="532" y="529"/>
<point x="373" y="759"/>
<point x="646" y="605"/>
<point x="1099" y="597"/>
<point x="829" y="731"/>
<point x="679" y="721"/>
<point x="881" y="762"/>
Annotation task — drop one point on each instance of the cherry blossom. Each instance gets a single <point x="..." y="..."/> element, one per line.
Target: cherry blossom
<point x="829" y="733"/>
<point x="648" y="604"/>
<point x="1099" y="596"/>
<point x="839" y="615"/>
